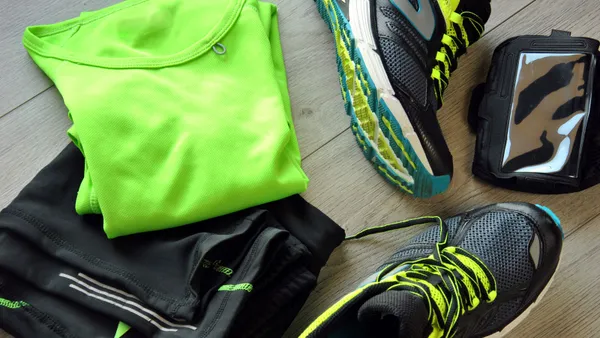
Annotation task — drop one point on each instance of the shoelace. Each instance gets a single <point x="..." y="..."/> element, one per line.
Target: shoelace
<point x="454" y="44"/>
<point x="451" y="281"/>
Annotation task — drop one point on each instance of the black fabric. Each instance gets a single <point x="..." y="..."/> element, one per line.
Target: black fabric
<point x="36" y="319"/>
<point x="490" y="116"/>
<point x="475" y="14"/>
<point x="247" y="266"/>
<point x="476" y="99"/>
<point x="395" y="314"/>
<point x="405" y="70"/>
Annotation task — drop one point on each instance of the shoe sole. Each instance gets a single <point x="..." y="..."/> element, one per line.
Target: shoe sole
<point x="382" y="128"/>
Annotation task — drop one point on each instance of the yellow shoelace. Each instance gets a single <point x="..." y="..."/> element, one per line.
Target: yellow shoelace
<point x="451" y="280"/>
<point x="452" y="42"/>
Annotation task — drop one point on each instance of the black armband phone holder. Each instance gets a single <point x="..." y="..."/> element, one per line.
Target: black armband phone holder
<point x="536" y="117"/>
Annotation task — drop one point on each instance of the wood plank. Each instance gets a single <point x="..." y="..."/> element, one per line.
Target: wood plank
<point x="307" y="47"/>
<point x="31" y="137"/>
<point x="20" y="78"/>
<point x="504" y="9"/>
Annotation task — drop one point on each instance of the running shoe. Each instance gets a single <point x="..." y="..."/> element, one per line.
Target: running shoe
<point x="477" y="274"/>
<point x="394" y="58"/>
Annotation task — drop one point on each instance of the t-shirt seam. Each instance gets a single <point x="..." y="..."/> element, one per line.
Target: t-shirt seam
<point x="252" y="7"/>
<point x="227" y="22"/>
<point x="94" y="202"/>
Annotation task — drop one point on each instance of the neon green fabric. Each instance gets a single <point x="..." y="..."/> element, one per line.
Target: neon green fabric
<point x="12" y="304"/>
<point x="122" y="329"/>
<point x="173" y="130"/>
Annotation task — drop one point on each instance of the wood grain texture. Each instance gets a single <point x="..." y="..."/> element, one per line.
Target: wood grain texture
<point x="20" y="79"/>
<point x="343" y="183"/>
<point x="31" y="137"/>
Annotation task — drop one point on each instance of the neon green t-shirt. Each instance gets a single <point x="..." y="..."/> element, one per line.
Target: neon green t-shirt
<point x="180" y="108"/>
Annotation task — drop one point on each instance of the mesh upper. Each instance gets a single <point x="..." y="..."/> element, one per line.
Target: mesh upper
<point x="500" y="239"/>
<point x="499" y="235"/>
<point x="396" y="32"/>
<point x="404" y="69"/>
<point x="397" y="24"/>
<point x="395" y="27"/>
<point x="405" y="54"/>
<point x="504" y="313"/>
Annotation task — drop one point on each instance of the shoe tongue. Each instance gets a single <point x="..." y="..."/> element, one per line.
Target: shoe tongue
<point x="398" y="313"/>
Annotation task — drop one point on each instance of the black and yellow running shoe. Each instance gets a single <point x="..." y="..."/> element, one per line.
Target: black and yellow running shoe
<point x="394" y="59"/>
<point x="477" y="274"/>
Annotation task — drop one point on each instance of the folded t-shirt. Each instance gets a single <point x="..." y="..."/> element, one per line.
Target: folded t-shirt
<point x="180" y="108"/>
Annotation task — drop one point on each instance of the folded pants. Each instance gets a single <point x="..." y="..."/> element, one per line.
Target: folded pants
<point x="242" y="275"/>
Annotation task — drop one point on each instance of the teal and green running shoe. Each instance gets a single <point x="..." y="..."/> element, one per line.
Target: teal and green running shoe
<point x="477" y="274"/>
<point x="394" y="58"/>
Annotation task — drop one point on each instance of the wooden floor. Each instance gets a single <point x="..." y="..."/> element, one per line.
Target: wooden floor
<point x="33" y="122"/>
